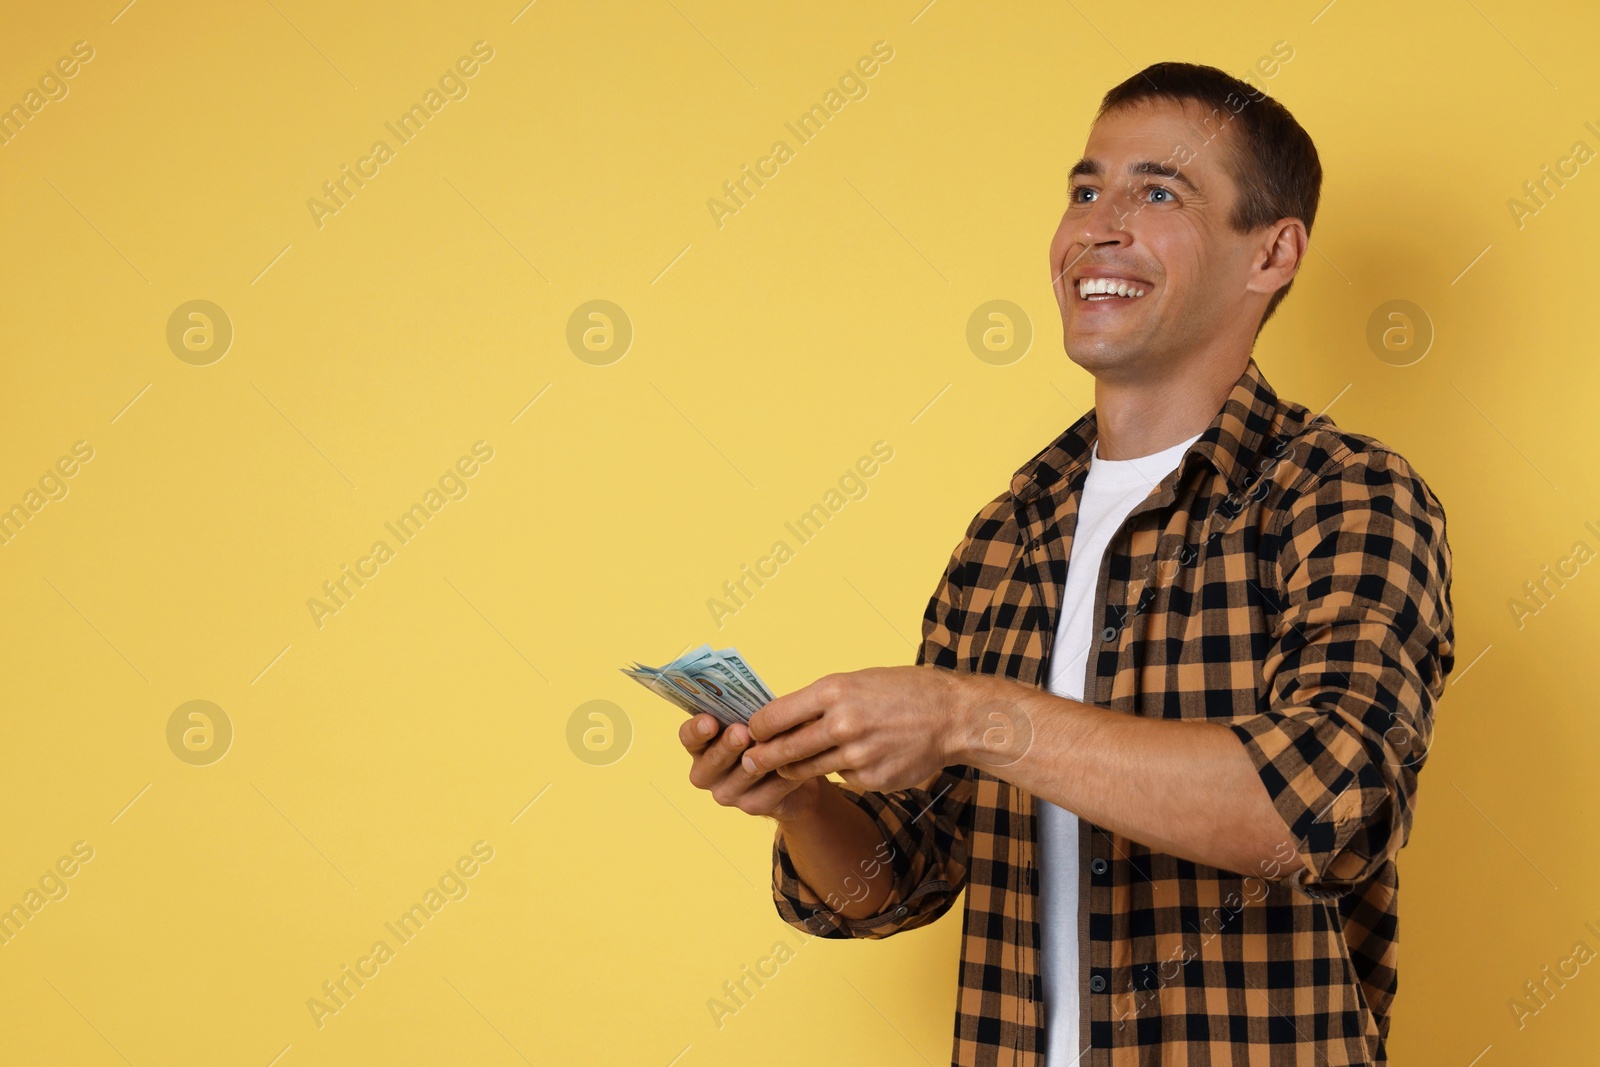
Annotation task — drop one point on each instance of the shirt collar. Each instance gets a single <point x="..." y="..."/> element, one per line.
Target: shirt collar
<point x="1230" y="443"/>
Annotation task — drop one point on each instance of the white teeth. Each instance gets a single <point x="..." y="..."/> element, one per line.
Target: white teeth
<point x="1091" y="286"/>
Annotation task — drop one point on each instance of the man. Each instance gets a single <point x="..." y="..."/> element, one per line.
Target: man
<point x="1176" y="683"/>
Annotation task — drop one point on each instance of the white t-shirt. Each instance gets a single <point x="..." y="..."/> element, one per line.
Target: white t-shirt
<point x="1112" y="490"/>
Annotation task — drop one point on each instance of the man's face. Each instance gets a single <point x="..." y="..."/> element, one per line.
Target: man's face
<point x="1131" y="215"/>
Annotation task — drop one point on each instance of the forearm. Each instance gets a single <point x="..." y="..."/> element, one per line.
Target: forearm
<point x="1183" y="787"/>
<point x="837" y="850"/>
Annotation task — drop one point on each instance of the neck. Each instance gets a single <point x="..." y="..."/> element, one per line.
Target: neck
<point x="1139" y="417"/>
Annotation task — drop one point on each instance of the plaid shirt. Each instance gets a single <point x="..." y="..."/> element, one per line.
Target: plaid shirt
<point x="1289" y="579"/>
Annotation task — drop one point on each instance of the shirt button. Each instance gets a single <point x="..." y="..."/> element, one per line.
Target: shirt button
<point x="1108" y="634"/>
<point x="900" y="913"/>
<point x="1098" y="865"/>
<point x="1097" y="984"/>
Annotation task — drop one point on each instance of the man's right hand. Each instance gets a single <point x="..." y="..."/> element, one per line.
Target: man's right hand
<point x="837" y="849"/>
<point x="718" y="770"/>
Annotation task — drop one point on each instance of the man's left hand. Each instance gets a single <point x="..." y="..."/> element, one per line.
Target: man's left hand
<point x="881" y="728"/>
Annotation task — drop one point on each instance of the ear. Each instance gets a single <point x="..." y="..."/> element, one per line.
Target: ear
<point x="1277" y="258"/>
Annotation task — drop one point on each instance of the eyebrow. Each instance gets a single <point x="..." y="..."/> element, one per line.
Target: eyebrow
<point x="1160" y="170"/>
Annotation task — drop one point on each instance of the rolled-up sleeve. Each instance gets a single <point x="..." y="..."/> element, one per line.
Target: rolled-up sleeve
<point x="925" y="829"/>
<point x="925" y="849"/>
<point x="1362" y="642"/>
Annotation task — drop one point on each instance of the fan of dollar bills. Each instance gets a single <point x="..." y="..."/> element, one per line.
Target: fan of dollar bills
<point x="715" y="681"/>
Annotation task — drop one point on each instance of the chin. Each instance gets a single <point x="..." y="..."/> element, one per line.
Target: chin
<point x="1093" y="353"/>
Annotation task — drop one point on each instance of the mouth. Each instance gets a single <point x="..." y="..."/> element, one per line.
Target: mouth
<point x="1109" y="290"/>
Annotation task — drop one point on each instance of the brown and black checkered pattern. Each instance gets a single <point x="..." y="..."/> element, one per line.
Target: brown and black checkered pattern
<point x="1289" y="579"/>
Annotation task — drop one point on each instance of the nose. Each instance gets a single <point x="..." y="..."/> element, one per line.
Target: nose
<point x="1103" y="222"/>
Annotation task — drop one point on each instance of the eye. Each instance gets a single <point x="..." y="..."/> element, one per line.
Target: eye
<point x="1159" y="189"/>
<point x="1072" y="194"/>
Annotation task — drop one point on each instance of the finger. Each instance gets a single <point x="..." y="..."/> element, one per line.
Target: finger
<point x="735" y="787"/>
<point x="766" y="796"/>
<point x="697" y="731"/>
<point x="788" y="711"/>
<point x="711" y="766"/>
<point x="818" y="766"/>
<point x="797" y="744"/>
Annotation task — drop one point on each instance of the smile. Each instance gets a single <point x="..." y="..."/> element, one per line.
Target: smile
<point x="1102" y="289"/>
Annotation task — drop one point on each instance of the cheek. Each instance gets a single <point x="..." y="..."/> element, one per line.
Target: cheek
<point x="1058" y="243"/>
<point x="1178" y="246"/>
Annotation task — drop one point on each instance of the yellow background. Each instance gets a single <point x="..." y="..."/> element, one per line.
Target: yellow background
<point x="768" y="355"/>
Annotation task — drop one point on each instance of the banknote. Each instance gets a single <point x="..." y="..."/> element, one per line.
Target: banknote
<point x="715" y="681"/>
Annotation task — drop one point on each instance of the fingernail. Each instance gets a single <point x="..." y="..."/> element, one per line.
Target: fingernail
<point x="749" y="764"/>
<point x="704" y="728"/>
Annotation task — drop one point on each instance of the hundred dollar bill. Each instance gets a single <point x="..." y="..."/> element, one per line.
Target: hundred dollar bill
<point x="715" y="681"/>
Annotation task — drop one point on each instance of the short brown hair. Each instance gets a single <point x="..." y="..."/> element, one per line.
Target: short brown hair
<point x="1270" y="157"/>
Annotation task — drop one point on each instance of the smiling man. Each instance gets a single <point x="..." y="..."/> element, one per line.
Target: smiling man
<point x="1176" y="682"/>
